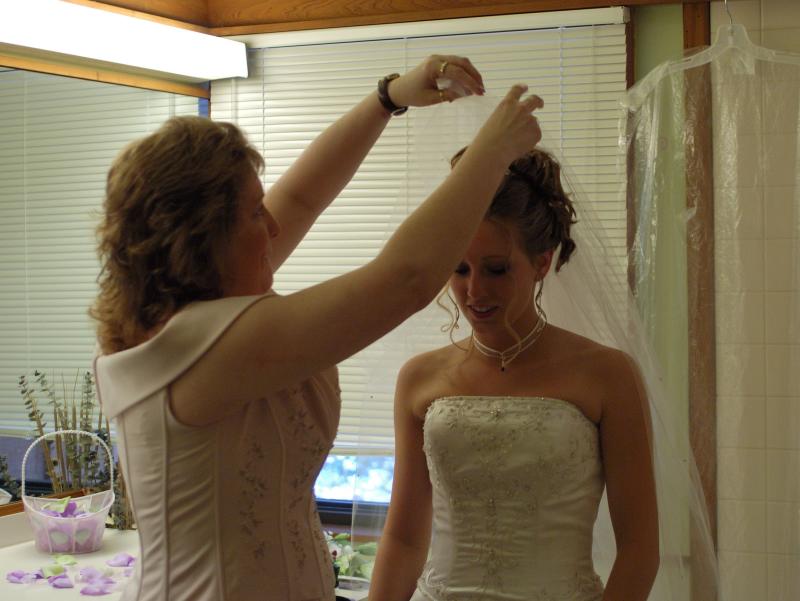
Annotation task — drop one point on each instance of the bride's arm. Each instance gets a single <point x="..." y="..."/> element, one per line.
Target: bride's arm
<point x="403" y="547"/>
<point x="625" y="432"/>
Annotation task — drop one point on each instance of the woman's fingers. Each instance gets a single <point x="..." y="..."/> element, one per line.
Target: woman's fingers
<point x="446" y="77"/>
<point x="423" y="85"/>
<point x="512" y="129"/>
<point x="532" y="102"/>
<point x="460" y="69"/>
<point x="516" y="92"/>
<point x="452" y="89"/>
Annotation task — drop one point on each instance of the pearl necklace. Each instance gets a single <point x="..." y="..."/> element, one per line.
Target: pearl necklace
<point x="512" y="352"/>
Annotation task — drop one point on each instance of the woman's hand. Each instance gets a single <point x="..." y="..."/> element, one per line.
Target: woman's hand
<point x="511" y="130"/>
<point x="419" y="86"/>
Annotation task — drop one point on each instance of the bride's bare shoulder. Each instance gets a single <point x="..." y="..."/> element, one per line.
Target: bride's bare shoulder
<point x="423" y="377"/>
<point x="613" y="372"/>
<point x="433" y="362"/>
<point x="581" y="347"/>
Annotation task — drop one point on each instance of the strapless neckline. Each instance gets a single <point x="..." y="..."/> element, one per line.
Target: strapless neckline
<point x="567" y="405"/>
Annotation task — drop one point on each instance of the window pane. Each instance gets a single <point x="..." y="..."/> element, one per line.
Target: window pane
<point x="356" y="478"/>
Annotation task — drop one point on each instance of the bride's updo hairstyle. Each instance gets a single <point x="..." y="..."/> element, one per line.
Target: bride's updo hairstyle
<point x="532" y="197"/>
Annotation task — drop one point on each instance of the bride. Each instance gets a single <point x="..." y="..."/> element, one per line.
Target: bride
<point x="506" y="440"/>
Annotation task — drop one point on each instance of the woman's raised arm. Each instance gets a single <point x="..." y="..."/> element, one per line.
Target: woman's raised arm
<point x="282" y="340"/>
<point x="320" y="173"/>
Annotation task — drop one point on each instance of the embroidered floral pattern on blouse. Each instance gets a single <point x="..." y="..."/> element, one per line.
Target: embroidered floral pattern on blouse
<point x="304" y="441"/>
<point x="253" y="491"/>
<point x="293" y="527"/>
<point x="325" y="554"/>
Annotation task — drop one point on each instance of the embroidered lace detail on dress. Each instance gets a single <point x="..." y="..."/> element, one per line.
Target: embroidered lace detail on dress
<point x="495" y="464"/>
<point x="586" y="587"/>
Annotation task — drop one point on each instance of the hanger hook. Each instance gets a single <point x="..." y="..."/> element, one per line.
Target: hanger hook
<point x="728" y="10"/>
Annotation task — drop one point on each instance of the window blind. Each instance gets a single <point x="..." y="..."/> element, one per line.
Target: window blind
<point x="296" y="90"/>
<point x="58" y="137"/>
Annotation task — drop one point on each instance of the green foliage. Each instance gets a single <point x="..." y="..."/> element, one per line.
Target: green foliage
<point x="351" y="560"/>
<point x="72" y="462"/>
<point x="75" y="461"/>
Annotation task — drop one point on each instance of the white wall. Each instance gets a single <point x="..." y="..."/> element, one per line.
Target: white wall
<point x="758" y="404"/>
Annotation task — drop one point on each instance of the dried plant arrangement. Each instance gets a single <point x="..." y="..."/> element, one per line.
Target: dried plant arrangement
<point x="74" y="462"/>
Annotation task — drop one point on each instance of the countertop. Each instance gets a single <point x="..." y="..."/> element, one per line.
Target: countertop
<point x="17" y="552"/>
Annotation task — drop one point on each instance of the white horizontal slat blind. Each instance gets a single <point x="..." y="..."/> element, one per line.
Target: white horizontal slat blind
<point x="58" y="137"/>
<point x="294" y="92"/>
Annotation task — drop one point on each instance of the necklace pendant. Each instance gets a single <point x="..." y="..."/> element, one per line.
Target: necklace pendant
<point x="511" y="353"/>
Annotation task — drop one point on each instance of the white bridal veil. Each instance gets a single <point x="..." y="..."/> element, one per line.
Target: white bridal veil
<point x="589" y="296"/>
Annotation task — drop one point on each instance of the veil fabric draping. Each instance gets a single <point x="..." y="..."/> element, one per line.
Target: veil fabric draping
<point x="589" y="296"/>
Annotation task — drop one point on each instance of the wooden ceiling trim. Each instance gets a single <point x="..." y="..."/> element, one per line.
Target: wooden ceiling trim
<point x="236" y="17"/>
<point x="234" y="13"/>
<point x="189" y="14"/>
<point x="378" y="19"/>
<point x="241" y="17"/>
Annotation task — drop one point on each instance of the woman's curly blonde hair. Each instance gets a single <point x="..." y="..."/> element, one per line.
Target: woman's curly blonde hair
<point x="169" y="209"/>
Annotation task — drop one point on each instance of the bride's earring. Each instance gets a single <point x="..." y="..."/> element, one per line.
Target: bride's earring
<point x="537" y="301"/>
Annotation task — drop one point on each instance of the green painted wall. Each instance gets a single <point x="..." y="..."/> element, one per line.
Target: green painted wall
<point x="658" y="36"/>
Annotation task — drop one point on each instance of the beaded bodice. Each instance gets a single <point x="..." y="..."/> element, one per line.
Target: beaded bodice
<point x="516" y="487"/>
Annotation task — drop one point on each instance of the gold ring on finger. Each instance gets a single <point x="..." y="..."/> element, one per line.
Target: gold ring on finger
<point x="442" y="67"/>
<point x="441" y="96"/>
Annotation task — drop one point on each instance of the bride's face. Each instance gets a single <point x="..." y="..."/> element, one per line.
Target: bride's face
<point x="494" y="282"/>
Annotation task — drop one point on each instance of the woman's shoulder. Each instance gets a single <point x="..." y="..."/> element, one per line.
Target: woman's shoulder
<point x="613" y="373"/>
<point x="432" y="363"/>
<point x="137" y="372"/>
<point x="604" y="368"/>
<point x="424" y="376"/>
<point x="208" y="319"/>
<point x="585" y="349"/>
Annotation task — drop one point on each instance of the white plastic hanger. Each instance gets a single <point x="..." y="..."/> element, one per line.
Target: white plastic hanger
<point x="734" y="36"/>
<point x="731" y="37"/>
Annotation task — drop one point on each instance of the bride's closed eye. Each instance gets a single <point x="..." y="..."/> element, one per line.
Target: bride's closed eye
<point x="495" y="270"/>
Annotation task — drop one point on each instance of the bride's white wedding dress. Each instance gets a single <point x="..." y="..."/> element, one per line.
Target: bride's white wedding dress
<point x="516" y="486"/>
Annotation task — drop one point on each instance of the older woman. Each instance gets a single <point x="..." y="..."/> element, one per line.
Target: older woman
<point x="224" y="393"/>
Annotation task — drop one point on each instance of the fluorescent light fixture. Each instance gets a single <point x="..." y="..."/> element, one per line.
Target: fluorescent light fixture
<point x="99" y="35"/>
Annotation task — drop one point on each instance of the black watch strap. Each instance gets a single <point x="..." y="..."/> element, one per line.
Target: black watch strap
<point x="383" y="95"/>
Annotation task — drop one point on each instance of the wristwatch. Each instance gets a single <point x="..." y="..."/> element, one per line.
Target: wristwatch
<point x="383" y="95"/>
